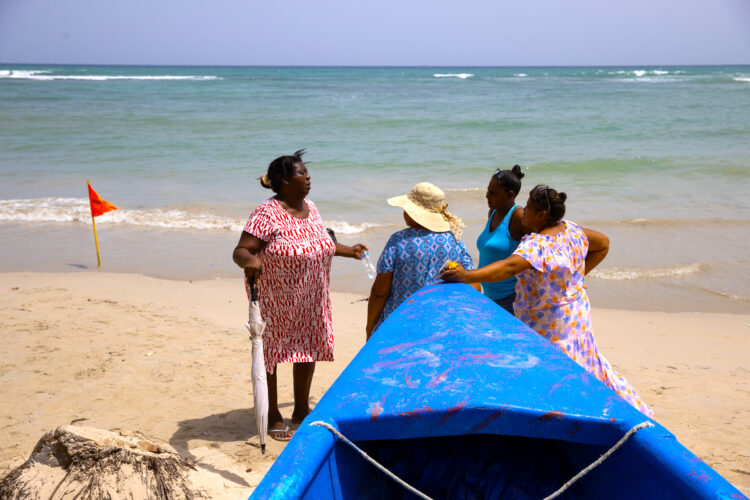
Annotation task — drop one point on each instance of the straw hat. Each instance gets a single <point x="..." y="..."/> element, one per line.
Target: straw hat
<point x="425" y="203"/>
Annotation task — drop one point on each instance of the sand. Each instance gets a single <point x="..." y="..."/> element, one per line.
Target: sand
<point x="171" y="359"/>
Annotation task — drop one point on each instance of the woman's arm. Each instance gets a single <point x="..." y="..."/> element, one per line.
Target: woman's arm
<point x="598" y="248"/>
<point x="354" y="251"/>
<point x="497" y="271"/>
<point x="516" y="228"/>
<point x="381" y="288"/>
<point x="245" y="255"/>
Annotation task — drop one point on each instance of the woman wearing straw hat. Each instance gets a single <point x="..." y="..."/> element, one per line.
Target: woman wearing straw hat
<point x="413" y="257"/>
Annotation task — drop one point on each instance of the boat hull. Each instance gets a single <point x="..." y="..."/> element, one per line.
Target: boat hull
<point x="461" y="400"/>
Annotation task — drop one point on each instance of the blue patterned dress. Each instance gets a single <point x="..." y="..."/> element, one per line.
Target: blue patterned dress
<point x="415" y="257"/>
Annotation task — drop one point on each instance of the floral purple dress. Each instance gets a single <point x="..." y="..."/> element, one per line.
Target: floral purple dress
<point x="551" y="299"/>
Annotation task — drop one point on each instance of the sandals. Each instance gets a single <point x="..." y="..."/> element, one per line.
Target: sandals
<point x="284" y="434"/>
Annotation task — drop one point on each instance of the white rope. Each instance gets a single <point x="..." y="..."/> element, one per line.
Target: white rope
<point x="600" y="460"/>
<point x="373" y="462"/>
<point x="556" y="494"/>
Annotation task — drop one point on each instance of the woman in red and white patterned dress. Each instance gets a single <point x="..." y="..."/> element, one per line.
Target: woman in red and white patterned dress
<point x="287" y="251"/>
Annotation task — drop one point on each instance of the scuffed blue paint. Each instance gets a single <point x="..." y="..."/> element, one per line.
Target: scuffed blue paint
<point x="449" y="362"/>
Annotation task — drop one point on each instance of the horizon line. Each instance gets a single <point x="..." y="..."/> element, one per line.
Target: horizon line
<point x="369" y="66"/>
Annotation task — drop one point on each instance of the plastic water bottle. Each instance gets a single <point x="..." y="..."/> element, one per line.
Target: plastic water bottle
<point x="365" y="256"/>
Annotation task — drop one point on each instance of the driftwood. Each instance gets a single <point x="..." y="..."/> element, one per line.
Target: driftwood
<point x="86" y="463"/>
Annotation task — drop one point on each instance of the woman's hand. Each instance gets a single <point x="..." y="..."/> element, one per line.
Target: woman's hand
<point x="354" y="251"/>
<point x="359" y="250"/>
<point x="456" y="274"/>
<point x="253" y="269"/>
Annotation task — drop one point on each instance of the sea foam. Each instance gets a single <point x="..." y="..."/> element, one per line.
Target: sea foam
<point x="77" y="210"/>
<point x="618" y="274"/>
<point x="343" y="227"/>
<point x="44" y="75"/>
<point x="463" y="76"/>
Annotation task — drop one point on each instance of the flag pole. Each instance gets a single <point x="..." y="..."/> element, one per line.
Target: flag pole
<point x="96" y="240"/>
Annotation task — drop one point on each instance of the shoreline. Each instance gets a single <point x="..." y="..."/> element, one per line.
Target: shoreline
<point x="171" y="359"/>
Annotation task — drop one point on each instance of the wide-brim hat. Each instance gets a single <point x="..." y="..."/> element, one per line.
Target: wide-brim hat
<point x="425" y="203"/>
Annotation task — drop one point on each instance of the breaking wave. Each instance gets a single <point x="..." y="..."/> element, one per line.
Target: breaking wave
<point x="76" y="210"/>
<point x="45" y="75"/>
<point x="620" y="274"/>
<point x="463" y="76"/>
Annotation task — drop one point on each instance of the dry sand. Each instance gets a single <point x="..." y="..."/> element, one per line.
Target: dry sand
<point x="171" y="359"/>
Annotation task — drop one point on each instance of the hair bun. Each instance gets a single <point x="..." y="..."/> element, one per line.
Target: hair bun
<point x="562" y="197"/>
<point x="265" y="181"/>
<point x="517" y="171"/>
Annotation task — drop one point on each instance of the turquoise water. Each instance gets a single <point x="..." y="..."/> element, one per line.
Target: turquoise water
<point x="657" y="158"/>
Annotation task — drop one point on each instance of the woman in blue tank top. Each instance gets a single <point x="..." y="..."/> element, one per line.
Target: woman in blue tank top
<point x="503" y="232"/>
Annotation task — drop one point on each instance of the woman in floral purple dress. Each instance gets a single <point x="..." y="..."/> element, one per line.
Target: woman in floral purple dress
<point x="551" y="298"/>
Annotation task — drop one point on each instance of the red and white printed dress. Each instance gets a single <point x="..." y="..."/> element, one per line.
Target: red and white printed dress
<point x="293" y="287"/>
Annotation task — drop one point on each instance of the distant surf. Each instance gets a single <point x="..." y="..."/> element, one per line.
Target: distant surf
<point x="463" y="76"/>
<point x="620" y="274"/>
<point x="46" y="75"/>
<point x="76" y="210"/>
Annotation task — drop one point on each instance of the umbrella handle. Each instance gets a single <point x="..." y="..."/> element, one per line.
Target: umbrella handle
<point x="254" y="292"/>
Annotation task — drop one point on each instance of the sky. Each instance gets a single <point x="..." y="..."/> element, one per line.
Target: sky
<point x="376" y="32"/>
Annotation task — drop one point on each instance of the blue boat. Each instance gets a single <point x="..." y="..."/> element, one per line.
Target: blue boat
<point x="461" y="400"/>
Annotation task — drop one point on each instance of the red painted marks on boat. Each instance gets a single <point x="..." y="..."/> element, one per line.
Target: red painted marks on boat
<point x="475" y="358"/>
<point x="405" y="345"/>
<point x="409" y="383"/>
<point x="440" y="378"/>
<point x="376" y="409"/>
<point x="487" y="421"/>
<point x="452" y="411"/>
<point x="416" y="413"/>
<point x="552" y="414"/>
<point x="410" y="301"/>
<point x="702" y="477"/>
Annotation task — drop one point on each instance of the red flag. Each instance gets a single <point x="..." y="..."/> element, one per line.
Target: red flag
<point x="99" y="206"/>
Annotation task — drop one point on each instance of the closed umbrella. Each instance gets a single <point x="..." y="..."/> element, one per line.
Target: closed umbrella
<point x="256" y="325"/>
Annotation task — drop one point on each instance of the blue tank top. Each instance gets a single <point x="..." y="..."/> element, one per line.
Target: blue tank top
<point x="497" y="245"/>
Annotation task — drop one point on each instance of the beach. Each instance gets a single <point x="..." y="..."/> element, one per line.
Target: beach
<point x="655" y="157"/>
<point x="171" y="359"/>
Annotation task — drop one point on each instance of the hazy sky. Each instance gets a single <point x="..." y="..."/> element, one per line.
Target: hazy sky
<point x="376" y="32"/>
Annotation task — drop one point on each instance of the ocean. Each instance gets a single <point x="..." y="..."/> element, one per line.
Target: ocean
<point x="657" y="158"/>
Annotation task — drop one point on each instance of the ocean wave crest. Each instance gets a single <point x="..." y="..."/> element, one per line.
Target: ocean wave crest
<point x="695" y="222"/>
<point x="77" y="210"/>
<point x="742" y="79"/>
<point x="731" y="296"/>
<point x="45" y="75"/>
<point x="343" y="227"/>
<point x="465" y="190"/>
<point x="644" y="72"/>
<point x="463" y="76"/>
<point x="619" y="274"/>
